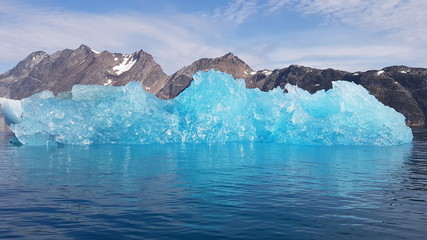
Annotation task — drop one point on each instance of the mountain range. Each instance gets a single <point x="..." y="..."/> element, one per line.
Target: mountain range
<point x="400" y="87"/>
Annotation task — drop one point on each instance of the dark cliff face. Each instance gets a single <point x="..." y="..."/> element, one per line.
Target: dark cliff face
<point x="182" y="79"/>
<point x="414" y="80"/>
<point x="392" y="90"/>
<point x="60" y="71"/>
<point x="401" y="88"/>
<point x="309" y="79"/>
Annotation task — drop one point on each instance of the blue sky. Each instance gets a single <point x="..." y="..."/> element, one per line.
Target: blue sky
<point x="350" y="35"/>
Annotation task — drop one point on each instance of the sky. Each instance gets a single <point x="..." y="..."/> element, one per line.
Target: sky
<point x="351" y="35"/>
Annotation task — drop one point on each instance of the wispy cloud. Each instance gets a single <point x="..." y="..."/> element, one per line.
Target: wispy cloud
<point x="354" y="34"/>
<point x="372" y="51"/>
<point x="238" y="10"/>
<point x="26" y="28"/>
<point x="275" y="5"/>
<point x="403" y="17"/>
<point x="394" y="32"/>
<point x="351" y="57"/>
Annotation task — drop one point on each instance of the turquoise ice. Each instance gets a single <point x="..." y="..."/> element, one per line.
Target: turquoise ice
<point x="214" y="109"/>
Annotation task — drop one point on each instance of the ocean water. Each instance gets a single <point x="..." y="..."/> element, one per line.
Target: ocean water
<point x="213" y="191"/>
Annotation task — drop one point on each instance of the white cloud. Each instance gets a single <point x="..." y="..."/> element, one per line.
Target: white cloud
<point x="172" y="40"/>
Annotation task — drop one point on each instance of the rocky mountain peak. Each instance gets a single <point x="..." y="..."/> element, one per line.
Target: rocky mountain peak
<point x="229" y="57"/>
<point x="36" y="57"/>
<point x="84" y="48"/>
<point x="27" y="64"/>
<point x="141" y="54"/>
<point x="63" y="69"/>
<point x="229" y="63"/>
<point x="309" y="79"/>
<point x="140" y="66"/>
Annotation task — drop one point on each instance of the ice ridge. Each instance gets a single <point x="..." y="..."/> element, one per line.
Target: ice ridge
<point x="214" y="109"/>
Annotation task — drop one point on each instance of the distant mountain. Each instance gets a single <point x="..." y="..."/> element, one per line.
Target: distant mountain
<point x="400" y="87"/>
<point x="60" y="71"/>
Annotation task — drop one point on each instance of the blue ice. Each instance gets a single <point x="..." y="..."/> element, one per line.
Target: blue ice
<point x="214" y="109"/>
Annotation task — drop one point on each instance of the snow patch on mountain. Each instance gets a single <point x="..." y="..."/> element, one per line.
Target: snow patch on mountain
<point x="125" y="65"/>
<point x="267" y="73"/>
<point x="108" y="83"/>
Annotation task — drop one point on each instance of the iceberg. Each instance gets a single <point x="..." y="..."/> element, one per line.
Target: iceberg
<point x="214" y="109"/>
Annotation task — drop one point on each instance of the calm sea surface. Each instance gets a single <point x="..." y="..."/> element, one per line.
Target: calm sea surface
<point x="224" y="191"/>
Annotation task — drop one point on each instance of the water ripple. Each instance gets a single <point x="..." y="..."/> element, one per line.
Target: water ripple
<point x="233" y="191"/>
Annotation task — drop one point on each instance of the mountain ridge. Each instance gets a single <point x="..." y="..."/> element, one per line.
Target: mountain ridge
<point x="61" y="70"/>
<point x="400" y="87"/>
<point x="179" y="81"/>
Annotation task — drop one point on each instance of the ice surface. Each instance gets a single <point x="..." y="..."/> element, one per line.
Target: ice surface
<point x="215" y="108"/>
<point x="11" y="110"/>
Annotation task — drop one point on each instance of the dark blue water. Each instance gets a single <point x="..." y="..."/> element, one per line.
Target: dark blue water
<point x="226" y="191"/>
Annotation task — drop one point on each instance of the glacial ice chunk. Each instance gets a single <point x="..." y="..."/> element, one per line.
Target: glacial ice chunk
<point x="11" y="110"/>
<point x="215" y="108"/>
